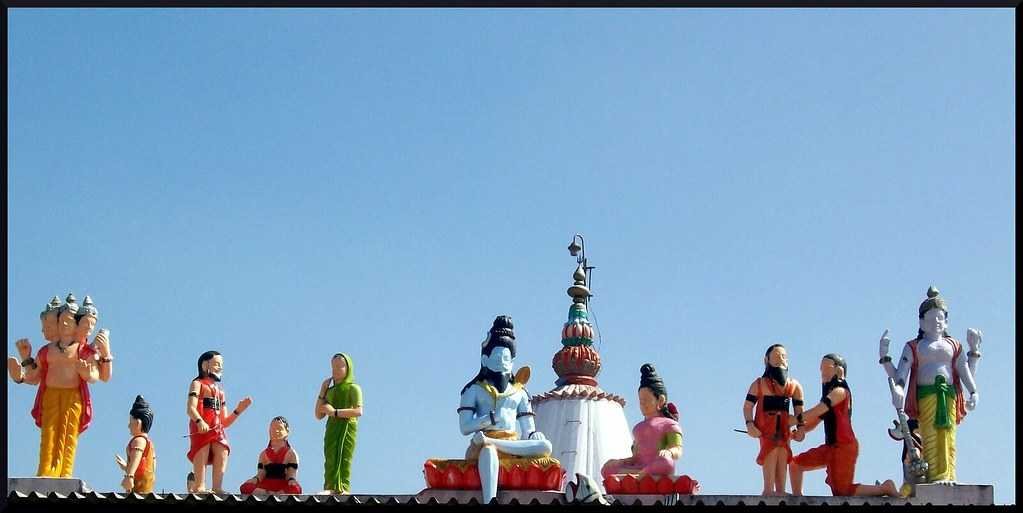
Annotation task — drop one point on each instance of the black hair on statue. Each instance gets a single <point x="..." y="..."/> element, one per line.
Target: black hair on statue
<point x="141" y="411"/>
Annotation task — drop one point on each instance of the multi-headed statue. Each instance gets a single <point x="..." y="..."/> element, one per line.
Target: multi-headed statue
<point x="63" y="370"/>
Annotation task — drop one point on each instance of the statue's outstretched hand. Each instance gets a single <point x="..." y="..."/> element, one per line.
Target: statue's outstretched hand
<point x="24" y="348"/>
<point x="898" y="395"/>
<point x="971" y="403"/>
<point x="244" y="404"/>
<point x="120" y="462"/>
<point x="973" y="339"/>
<point x="882" y="349"/>
<point x="536" y="435"/>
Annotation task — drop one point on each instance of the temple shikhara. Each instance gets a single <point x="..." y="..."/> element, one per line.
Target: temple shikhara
<point x="586" y="425"/>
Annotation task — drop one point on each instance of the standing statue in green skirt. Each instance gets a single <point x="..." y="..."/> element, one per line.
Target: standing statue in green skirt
<point x="340" y="400"/>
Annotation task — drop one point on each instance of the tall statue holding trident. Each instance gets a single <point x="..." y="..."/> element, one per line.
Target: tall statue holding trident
<point x="493" y="404"/>
<point x="928" y="385"/>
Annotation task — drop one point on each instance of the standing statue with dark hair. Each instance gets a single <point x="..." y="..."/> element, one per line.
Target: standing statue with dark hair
<point x="140" y="467"/>
<point x="658" y="438"/>
<point x="493" y="404"/>
<point x="206" y="409"/>
<point x="929" y="381"/>
<point x="840" y="449"/>
<point x="771" y="396"/>
<point x="340" y="402"/>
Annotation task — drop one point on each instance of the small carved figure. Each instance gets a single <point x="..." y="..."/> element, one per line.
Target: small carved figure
<point x="277" y="470"/>
<point x="140" y="467"/>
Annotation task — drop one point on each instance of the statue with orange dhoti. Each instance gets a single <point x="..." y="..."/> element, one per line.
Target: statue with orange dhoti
<point x="771" y="396"/>
<point x="140" y="467"/>
<point x="208" y="424"/>
<point x="63" y="370"/>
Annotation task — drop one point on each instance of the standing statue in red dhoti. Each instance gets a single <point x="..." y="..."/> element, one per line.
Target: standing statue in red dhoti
<point x="208" y="423"/>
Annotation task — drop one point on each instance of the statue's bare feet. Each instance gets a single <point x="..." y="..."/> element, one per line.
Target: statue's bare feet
<point x="890" y="489"/>
<point x="945" y="483"/>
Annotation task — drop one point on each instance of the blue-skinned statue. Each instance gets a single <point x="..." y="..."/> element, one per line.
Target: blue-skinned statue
<point x="495" y="410"/>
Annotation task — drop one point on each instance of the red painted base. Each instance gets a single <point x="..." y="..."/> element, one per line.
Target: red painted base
<point x="628" y="484"/>
<point x="462" y="475"/>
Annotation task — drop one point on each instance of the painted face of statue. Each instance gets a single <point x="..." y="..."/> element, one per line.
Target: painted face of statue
<point x="215" y="367"/>
<point x="777" y="365"/>
<point x="134" y="425"/>
<point x="934" y="323"/>
<point x="499" y="360"/>
<point x="649" y="404"/>
<point x="84" y="328"/>
<point x="339" y="367"/>
<point x="51" y="326"/>
<point x="779" y="357"/>
<point x="278" y="430"/>
<point x="828" y="370"/>
<point x="66" y="325"/>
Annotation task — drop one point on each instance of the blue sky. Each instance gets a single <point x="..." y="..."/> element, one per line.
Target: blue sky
<point x="281" y="185"/>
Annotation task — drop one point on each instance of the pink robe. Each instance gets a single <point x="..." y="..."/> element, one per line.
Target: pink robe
<point x="649" y="437"/>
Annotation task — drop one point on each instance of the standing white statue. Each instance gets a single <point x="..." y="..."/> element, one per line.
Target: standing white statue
<point x="929" y="381"/>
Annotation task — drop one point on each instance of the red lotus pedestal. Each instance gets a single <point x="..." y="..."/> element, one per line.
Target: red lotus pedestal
<point x="518" y="475"/>
<point x="631" y="484"/>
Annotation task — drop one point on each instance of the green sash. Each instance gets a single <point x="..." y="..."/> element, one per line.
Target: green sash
<point x="944" y="392"/>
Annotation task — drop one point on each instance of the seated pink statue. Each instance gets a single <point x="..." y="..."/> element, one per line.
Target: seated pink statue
<point x="658" y="438"/>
